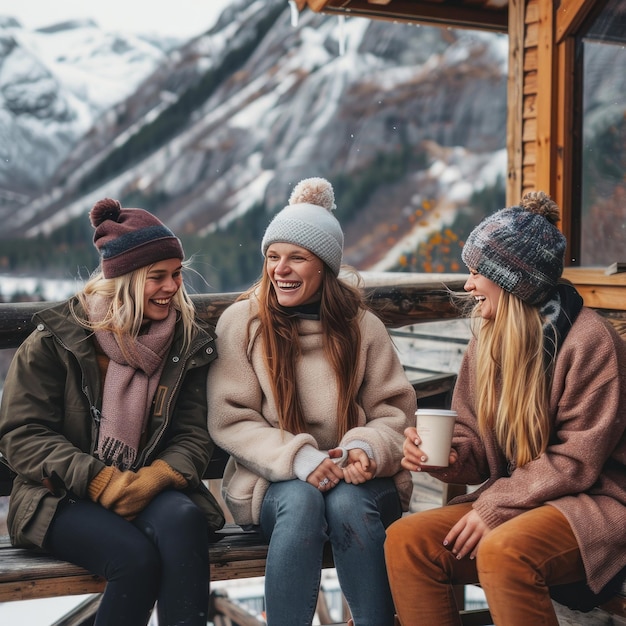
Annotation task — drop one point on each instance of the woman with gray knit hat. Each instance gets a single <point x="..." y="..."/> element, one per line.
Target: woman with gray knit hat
<point x="541" y="404"/>
<point x="103" y="419"/>
<point x="310" y="400"/>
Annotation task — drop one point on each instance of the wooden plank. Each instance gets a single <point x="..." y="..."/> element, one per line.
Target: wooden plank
<point x="602" y="297"/>
<point x="531" y="36"/>
<point x="529" y="177"/>
<point x="530" y="83"/>
<point x="530" y="153"/>
<point x="532" y="12"/>
<point x="594" y="276"/>
<point x="83" y="614"/>
<point x="434" y="385"/>
<point x="529" y="132"/>
<point x="13" y="566"/>
<point x="515" y="88"/>
<point x="220" y="604"/>
<point x="570" y="15"/>
<point x="448" y="14"/>
<point x="529" y="170"/>
<point x="238" y="570"/>
<point x="476" y="617"/>
<point x="545" y="98"/>
<point x="529" y="173"/>
<point x="564" y="135"/>
<point x="50" y="587"/>
<point x="529" y="109"/>
<point x="530" y="59"/>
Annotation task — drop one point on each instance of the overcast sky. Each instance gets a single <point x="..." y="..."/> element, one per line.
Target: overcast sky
<point x="181" y="18"/>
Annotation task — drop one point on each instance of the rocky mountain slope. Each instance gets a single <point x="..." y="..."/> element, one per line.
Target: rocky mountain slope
<point x="408" y="122"/>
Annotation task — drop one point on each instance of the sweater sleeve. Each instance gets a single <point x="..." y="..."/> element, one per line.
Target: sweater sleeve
<point x="236" y="405"/>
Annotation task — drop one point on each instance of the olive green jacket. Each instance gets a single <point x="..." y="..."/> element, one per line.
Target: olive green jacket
<point x="50" y="413"/>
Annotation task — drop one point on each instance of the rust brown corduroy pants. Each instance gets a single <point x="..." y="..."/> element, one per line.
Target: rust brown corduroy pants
<point x="515" y="565"/>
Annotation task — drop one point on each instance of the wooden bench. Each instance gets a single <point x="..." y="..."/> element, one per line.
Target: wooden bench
<point x="26" y="574"/>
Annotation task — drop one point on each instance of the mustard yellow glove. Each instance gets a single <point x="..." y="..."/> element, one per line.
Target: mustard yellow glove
<point x="109" y="484"/>
<point x="149" y="482"/>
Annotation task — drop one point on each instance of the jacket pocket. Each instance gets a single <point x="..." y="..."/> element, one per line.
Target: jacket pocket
<point x="27" y="527"/>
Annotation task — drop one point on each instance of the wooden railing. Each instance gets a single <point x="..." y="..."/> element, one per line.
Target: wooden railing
<point x="398" y="299"/>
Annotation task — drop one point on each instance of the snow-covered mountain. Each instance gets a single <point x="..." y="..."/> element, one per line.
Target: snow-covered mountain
<point x="203" y="132"/>
<point x="54" y="84"/>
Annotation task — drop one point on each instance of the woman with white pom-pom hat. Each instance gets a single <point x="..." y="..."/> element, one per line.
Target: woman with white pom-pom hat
<point x="310" y="400"/>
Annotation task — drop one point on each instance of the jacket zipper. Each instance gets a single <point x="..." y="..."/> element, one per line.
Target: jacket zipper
<point x="182" y="369"/>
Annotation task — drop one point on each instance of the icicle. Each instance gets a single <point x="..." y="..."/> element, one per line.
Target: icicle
<point x="342" y="34"/>
<point x="295" y="13"/>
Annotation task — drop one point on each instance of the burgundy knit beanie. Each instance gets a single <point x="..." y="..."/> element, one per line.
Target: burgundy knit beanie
<point x="128" y="239"/>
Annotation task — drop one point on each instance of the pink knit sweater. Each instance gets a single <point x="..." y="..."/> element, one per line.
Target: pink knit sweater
<point x="583" y="471"/>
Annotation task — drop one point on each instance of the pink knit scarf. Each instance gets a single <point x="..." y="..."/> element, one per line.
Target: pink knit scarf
<point x="130" y="384"/>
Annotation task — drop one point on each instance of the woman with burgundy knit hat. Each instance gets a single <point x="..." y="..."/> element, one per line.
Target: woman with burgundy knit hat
<point x="541" y="427"/>
<point x="310" y="400"/>
<point x="103" y="419"/>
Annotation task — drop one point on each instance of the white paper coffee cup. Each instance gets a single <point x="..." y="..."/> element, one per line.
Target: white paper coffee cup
<point x="435" y="428"/>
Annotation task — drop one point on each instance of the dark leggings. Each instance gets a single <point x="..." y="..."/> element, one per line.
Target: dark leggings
<point x="161" y="556"/>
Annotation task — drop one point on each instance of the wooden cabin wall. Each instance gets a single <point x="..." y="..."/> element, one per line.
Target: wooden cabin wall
<point x="547" y="31"/>
<point x="531" y="33"/>
<point x="515" y="96"/>
<point x="531" y="98"/>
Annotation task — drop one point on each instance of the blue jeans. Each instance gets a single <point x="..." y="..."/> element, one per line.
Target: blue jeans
<point x="298" y="519"/>
<point x="161" y="556"/>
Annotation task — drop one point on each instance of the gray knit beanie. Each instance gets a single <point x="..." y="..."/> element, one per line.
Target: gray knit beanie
<point x="308" y="222"/>
<point x="520" y="248"/>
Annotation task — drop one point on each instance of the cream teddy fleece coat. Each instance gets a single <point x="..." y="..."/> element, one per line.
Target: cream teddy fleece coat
<point x="242" y="415"/>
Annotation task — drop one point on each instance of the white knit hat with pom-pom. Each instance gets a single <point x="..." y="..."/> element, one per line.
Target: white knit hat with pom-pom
<point x="308" y="222"/>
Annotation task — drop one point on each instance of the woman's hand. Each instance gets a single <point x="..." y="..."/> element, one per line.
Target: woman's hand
<point x="414" y="459"/>
<point x="358" y="468"/>
<point x="466" y="534"/>
<point x="326" y="475"/>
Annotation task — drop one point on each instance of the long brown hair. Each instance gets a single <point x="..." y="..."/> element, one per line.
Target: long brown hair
<point x="340" y="307"/>
<point x="513" y="380"/>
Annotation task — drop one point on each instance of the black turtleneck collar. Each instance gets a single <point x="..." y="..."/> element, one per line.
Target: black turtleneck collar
<point x="306" y="311"/>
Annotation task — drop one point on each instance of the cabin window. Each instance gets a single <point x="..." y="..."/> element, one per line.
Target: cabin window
<point x="601" y="52"/>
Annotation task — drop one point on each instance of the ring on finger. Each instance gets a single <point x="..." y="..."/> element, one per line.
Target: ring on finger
<point x="324" y="482"/>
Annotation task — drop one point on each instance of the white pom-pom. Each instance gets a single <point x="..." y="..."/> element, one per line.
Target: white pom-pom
<point x="316" y="191"/>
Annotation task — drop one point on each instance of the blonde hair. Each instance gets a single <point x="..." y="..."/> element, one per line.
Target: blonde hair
<point x="513" y="375"/>
<point x="125" y="315"/>
<point x="340" y="307"/>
